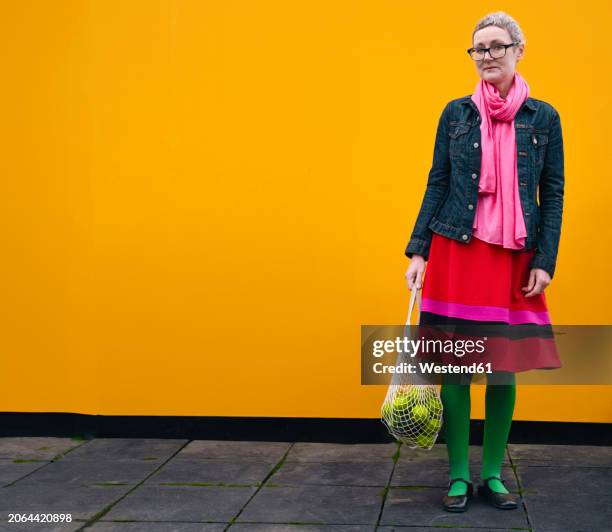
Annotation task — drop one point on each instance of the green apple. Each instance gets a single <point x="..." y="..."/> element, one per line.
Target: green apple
<point x="386" y="411"/>
<point x="400" y="402"/>
<point x="419" y="413"/>
<point x="413" y="395"/>
<point x="425" y="441"/>
<point x="433" y="425"/>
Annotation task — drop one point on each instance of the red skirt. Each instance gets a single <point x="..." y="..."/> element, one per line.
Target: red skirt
<point x="478" y="285"/>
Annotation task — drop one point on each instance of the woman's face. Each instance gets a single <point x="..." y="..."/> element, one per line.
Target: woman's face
<point x="497" y="71"/>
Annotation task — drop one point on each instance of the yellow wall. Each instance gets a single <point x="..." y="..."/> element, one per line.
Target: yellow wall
<point x="203" y="201"/>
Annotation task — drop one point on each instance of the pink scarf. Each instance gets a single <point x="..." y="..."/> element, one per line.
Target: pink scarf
<point x="499" y="214"/>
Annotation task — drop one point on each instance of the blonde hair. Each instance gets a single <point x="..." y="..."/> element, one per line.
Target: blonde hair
<point x="501" y="19"/>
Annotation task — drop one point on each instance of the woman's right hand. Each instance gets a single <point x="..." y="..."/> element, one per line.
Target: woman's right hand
<point x="414" y="273"/>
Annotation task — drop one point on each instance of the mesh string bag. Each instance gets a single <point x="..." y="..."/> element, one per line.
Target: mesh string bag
<point x="412" y="409"/>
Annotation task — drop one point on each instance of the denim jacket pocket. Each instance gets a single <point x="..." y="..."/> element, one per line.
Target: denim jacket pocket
<point x="539" y="141"/>
<point x="457" y="134"/>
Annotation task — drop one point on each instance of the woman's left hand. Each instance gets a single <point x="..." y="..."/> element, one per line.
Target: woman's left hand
<point x="538" y="281"/>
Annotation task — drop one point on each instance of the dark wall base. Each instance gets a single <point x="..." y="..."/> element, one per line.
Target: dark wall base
<point x="274" y="429"/>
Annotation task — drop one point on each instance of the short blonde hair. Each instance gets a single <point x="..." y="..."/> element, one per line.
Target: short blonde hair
<point x="501" y="19"/>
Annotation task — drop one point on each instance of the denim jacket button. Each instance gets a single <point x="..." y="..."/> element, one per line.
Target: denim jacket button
<point x="475" y="144"/>
<point x="535" y="141"/>
<point x="470" y="206"/>
<point x="474" y="176"/>
<point x="465" y="237"/>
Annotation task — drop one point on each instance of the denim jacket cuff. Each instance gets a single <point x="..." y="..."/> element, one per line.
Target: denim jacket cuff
<point x="417" y="246"/>
<point x="543" y="262"/>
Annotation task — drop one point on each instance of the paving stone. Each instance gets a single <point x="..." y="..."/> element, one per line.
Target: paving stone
<point x="441" y="528"/>
<point x="423" y="507"/>
<point x="314" y="505"/>
<point x="156" y="527"/>
<point x="213" y="471"/>
<point x="11" y="471"/>
<point x="81" y="502"/>
<point x="438" y="455"/>
<point x="337" y="473"/>
<point x="414" y="474"/>
<point x="567" y="498"/>
<point x="43" y="448"/>
<point x="252" y="527"/>
<point x="476" y="457"/>
<point x="339" y="452"/>
<point x="561" y="455"/>
<point x="233" y="450"/>
<point x="180" y="503"/>
<point x="88" y="472"/>
<point x="148" y="449"/>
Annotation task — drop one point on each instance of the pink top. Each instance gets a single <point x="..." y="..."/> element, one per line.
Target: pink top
<point x="499" y="216"/>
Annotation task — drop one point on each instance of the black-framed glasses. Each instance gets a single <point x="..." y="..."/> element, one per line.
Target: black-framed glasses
<point x="497" y="51"/>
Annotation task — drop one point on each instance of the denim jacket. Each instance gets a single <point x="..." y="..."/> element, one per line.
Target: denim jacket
<point x="449" y="202"/>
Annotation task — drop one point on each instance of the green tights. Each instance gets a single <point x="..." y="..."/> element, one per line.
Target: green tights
<point x="499" y="408"/>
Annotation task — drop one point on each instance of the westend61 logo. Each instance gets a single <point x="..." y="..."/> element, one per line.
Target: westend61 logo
<point x="409" y="346"/>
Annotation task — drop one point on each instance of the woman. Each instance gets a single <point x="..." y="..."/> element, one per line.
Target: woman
<point x="490" y="248"/>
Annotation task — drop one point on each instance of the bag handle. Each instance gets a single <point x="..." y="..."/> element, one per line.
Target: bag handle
<point x="415" y="295"/>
